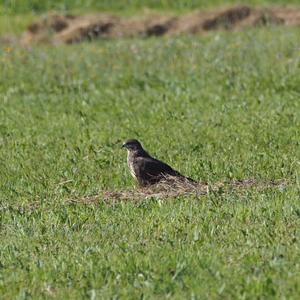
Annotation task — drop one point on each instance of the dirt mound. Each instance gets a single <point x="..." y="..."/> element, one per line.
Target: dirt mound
<point x="172" y="188"/>
<point x="74" y="29"/>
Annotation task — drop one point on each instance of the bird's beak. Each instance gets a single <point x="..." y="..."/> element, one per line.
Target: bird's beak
<point x="123" y="146"/>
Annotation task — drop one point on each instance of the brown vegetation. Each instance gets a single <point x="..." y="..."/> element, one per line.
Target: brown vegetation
<point x="74" y="29"/>
<point x="173" y="187"/>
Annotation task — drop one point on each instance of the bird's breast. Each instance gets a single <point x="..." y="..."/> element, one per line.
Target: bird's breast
<point x="130" y="165"/>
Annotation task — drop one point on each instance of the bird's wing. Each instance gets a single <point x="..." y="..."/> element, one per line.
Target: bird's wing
<point x="147" y="166"/>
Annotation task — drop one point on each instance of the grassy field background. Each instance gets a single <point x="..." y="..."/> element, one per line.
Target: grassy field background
<point x="218" y="107"/>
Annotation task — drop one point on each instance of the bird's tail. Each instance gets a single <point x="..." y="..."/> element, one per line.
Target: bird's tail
<point x="189" y="179"/>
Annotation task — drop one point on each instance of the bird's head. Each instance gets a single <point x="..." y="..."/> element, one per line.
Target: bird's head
<point x="132" y="145"/>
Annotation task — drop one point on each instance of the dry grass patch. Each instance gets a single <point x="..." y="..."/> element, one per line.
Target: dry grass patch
<point x="69" y="29"/>
<point x="173" y="187"/>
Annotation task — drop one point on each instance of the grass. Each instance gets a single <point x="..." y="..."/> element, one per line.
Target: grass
<point x="220" y="107"/>
<point x="13" y="7"/>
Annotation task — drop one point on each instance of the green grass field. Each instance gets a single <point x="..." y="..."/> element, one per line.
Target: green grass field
<point x="220" y="107"/>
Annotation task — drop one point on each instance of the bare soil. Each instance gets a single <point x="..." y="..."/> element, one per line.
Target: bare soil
<point x="68" y="29"/>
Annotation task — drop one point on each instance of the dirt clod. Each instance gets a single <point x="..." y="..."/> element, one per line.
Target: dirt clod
<point x="228" y="18"/>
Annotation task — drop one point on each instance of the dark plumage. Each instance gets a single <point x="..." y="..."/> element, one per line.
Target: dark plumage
<point x="146" y="169"/>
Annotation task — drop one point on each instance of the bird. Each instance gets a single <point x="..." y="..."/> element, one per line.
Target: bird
<point x="145" y="169"/>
